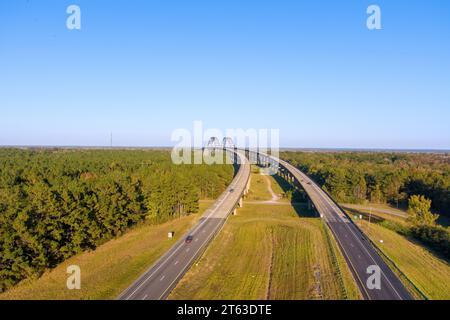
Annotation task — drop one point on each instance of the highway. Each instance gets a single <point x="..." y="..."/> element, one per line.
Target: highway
<point x="358" y="251"/>
<point x="158" y="281"/>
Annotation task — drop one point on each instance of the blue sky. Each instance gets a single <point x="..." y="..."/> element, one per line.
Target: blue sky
<point x="142" y="69"/>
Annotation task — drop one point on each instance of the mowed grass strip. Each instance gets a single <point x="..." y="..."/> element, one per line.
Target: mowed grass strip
<point x="375" y="212"/>
<point x="349" y="287"/>
<point x="268" y="252"/>
<point x="111" y="268"/>
<point x="427" y="271"/>
<point x="258" y="190"/>
<point x="278" y="191"/>
<point x="264" y="252"/>
<point x="297" y="273"/>
<point x="259" y="187"/>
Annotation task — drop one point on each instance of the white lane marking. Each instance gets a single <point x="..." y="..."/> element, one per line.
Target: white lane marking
<point x="219" y="203"/>
<point x="327" y="201"/>
<point x="192" y="257"/>
<point x="145" y="297"/>
<point x="225" y="195"/>
<point x="368" y="253"/>
<point x="323" y="198"/>
<point x="196" y="239"/>
<point x="226" y="192"/>
<point x="162" y="278"/>
<point x="159" y="267"/>
<point x="176" y="262"/>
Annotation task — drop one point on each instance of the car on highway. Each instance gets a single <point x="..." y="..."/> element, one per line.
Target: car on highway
<point x="231" y="190"/>
<point x="188" y="239"/>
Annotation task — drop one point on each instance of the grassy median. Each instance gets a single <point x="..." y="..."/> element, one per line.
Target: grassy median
<point x="259" y="189"/>
<point x="269" y="252"/>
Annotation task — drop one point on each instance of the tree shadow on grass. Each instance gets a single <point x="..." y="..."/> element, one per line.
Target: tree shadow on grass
<point x="299" y="199"/>
<point x="374" y="218"/>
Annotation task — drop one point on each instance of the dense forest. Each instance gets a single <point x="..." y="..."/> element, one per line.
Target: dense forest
<point x="356" y="177"/>
<point x="419" y="182"/>
<point x="56" y="203"/>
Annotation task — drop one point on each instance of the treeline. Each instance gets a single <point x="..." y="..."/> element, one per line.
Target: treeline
<point x="56" y="203"/>
<point x="356" y="177"/>
<point x="418" y="181"/>
<point x="434" y="236"/>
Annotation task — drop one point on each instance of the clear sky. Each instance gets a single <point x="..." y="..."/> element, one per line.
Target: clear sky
<point x="142" y="69"/>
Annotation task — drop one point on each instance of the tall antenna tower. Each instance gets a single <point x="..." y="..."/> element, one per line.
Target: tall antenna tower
<point x="111" y="140"/>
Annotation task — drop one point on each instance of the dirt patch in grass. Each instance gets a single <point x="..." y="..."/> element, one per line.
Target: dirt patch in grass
<point x="268" y="252"/>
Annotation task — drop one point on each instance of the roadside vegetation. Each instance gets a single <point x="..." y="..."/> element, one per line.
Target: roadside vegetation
<point x="55" y="203"/>
<point x="375" y="177"/>
<point x="270" y="252"/>
<point x="265" y="188"/>
<point x="407" y="197"/>
<point x="419" y="182"/>
<point x="426" y="268"/>
<point x="258" y="190"/>
<point x="110" y="268"/>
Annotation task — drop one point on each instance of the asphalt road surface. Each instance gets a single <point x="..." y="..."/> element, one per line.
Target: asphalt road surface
<point x="357" y="250"/>
<point x="161" y="278"/>
<point x="157" y="282"/>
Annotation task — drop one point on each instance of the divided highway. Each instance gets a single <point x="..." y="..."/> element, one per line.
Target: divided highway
<point x="158" y="281"/>
<point x="357" y="250"/>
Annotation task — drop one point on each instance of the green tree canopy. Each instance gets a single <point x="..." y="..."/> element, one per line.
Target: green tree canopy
<point x="55" y="203"/>
<point x="419" y="208"/>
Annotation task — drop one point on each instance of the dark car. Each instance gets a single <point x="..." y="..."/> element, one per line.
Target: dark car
<point x="231" y="190"/>
<point x="188" y="239"/>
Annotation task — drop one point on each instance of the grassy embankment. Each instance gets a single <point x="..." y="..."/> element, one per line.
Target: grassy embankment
<point x="269" y="252"/>
<point x="108" y="270"/>
<point x="428" y="272"/>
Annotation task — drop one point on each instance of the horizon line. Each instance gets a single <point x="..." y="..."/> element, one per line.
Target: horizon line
<point x="377" y="149"/>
